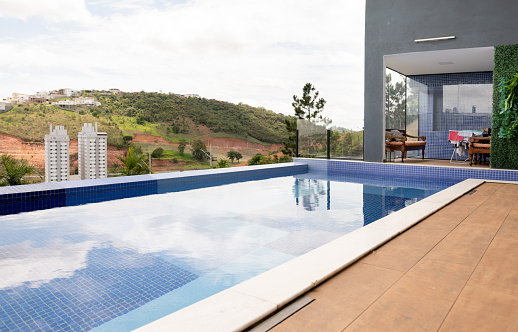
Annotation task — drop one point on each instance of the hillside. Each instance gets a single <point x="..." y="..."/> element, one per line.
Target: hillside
<point x="153" y="120"/>
<point x="163" y="115"/>
<point x="190" y="116"/>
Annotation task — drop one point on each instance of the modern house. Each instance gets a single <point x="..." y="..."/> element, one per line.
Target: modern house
<point x="57" y="161"/>
<point x="92" y="152"/>
<point x="444" y="53"/>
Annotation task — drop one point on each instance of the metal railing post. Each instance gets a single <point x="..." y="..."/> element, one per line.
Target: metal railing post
<point x="297" y="143"/>
<point x="329" y="144"/>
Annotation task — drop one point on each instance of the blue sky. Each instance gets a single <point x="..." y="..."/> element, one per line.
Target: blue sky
<point x="257" y="52"/>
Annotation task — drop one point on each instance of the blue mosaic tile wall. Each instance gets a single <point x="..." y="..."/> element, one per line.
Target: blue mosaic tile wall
<point x="42" y="196"/>
<point x="419" y="173"/>
<point x="451" y="102"/>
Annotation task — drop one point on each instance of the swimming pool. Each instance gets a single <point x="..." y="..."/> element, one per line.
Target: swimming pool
<point x="120" y="264"/>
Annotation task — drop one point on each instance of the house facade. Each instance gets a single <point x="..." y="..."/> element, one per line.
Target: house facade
<point x="443" y="54"/>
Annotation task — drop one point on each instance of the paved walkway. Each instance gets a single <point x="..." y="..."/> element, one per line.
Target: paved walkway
<point x="457" y="270"/>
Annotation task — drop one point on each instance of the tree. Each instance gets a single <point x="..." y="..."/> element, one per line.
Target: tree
<point x="13" y="170"/>
<point x="134" y="163"/>
<point x="181" y="146"/>
<point x="234" y="155"/>
<point x="198" y="150"/>
<point x="395" y="95"/>
<point x="289" y="145"/>
<point x="157" y="153"/>
<point x="238" y="156"/>
<point x="127" y="138"/>
<point x="309" y="106"/>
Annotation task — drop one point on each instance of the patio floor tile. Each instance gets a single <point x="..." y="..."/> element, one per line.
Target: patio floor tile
<point x="498" y="272"/>
<point x="464" y="245"/>
<point x="360" y="284"/>
<point x="417" y="302"/>
<point x="479" y="309"/>
<point x="403" y="252"/>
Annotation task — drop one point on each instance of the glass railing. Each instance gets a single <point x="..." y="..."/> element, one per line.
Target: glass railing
<point x="315" y="140"/>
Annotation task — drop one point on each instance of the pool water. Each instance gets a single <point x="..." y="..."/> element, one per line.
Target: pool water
<point x="118" y="265"/>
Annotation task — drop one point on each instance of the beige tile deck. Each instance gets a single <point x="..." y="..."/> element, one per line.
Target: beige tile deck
<point x="457" y="270"/>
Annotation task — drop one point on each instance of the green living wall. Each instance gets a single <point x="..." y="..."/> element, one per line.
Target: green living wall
<point x="504" y="151"/>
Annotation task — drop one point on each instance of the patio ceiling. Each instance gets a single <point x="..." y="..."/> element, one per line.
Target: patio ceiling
<point x="464" y="60"/>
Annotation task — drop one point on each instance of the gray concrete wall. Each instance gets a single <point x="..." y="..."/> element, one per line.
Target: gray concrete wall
<point x="391" y="26"/>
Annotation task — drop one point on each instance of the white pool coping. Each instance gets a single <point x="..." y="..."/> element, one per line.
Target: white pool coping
<point x="243" y="305"/>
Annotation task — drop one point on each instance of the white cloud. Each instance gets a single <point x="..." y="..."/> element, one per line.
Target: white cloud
<point x="49" y="10"/>
<point x="257" y="52"/>
<point x="39" y="265"/>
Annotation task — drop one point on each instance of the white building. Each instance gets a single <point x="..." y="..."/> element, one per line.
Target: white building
<point x="92" y="152"/>
<point x="65" y="103"/>
<point x="88" y="101"/>
<point x="69" y="92"/>
<point x="20" y="97"/>
<point x="57" y="161"/>
<point x="42" y="94"/>
<point x="5" y="106"/>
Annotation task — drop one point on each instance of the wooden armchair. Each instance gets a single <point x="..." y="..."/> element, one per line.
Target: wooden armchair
<point x="479" y="146"/>
<point x="401" y="143"/>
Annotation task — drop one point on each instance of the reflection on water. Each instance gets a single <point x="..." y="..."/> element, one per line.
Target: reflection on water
<point x="378" y="201"/>
<point x="310" y="191"/>
<point x="75" y="268"/>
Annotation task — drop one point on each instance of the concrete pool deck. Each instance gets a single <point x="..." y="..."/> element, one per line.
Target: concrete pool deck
<point x="454" y="271"/>
<point x="243" y="305"/>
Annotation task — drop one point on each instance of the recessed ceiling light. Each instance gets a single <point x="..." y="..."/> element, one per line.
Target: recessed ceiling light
<point x="446" y="63"/>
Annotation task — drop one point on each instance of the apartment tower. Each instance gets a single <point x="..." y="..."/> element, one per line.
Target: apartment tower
<point x="92" y="153"/>
<point x="57" y="161"/>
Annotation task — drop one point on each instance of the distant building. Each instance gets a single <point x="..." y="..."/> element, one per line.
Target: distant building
<point x="92" y="152"/>
<point x="57" y="161"/>
<point x="114" y="90"/>
<point x="87" y="101"/>
<point x="5" y="107"/>
<point x="42" y="94"/>
<point x="55" y="95"/>
<point x="68" y="92"/>
<point x="64" y="103"/>
<point x="20" y="97"/>
<point x="37" y="100"/>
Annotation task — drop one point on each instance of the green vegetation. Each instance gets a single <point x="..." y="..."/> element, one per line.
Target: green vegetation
<point x="508" y="107"/>
<point x="223" y="163"/>
<point x="395" y="103"/>
<point x="157" y="153"/>
<point x="309" y="106"/>
<point x="13" y="171"/>
<point x="504" y="143"/>
<point x="134" y="163"/>
<point x="171" y="116"/>
<point x="234" y="155"/>
<point x="198" y="150"/>
<point x="168" y="116"/>
<point x="31" y="123"/>
<point x="271" y="158"/>
<point x="181" y="146"/>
